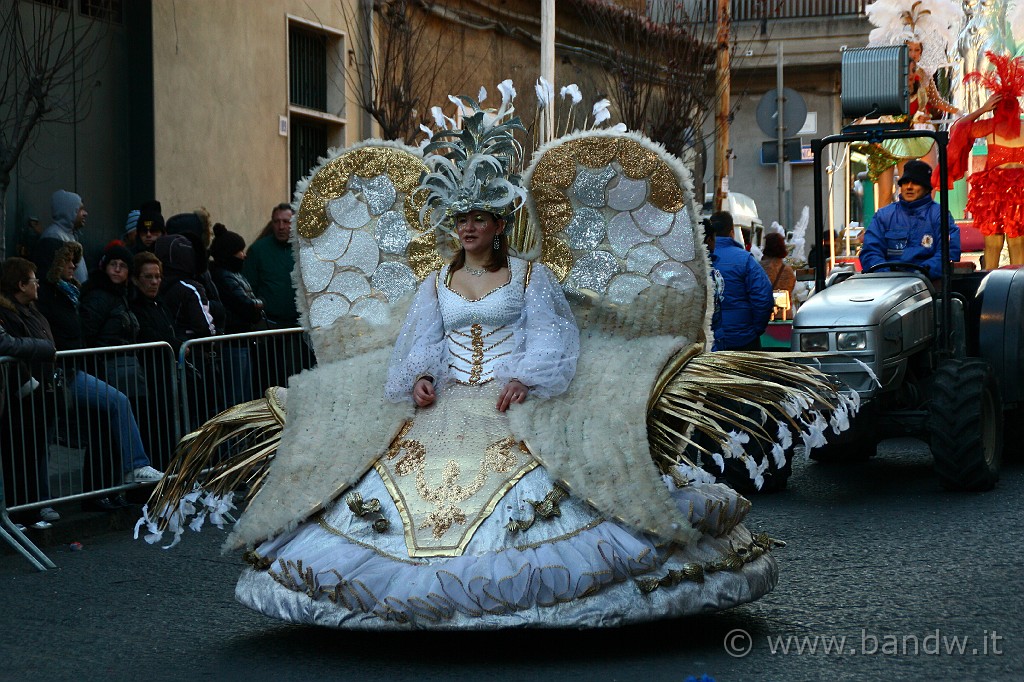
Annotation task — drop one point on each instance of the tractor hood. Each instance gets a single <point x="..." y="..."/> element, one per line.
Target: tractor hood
<point x="862" y="300"/>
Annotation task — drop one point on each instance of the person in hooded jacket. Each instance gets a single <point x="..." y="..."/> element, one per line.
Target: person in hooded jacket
<point x="195" y="227"/>
<point x="244" y="311"/>
<point x="189" y="306"/>
<point x="69" y="216"/>
<point x="184" y="296"/>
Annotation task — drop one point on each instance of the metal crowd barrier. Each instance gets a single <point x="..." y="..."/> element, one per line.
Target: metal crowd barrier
<point x="217" y="372"/>
<point x="94" y="415"/>
<point x="74" y="428"/>
<point x="73" y="433"/>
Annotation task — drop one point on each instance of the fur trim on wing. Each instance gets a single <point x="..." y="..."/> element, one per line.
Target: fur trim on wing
<point x="338" y="425"/>
<point x="593" y="439"/>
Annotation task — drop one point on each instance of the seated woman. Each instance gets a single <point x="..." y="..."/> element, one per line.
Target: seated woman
<point x="59" y="301"/>
<point x="25" y="472"/>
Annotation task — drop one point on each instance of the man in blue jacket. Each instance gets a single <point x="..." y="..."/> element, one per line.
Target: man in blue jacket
<point x="909" y="230"/>
<point x="747" y="302"/>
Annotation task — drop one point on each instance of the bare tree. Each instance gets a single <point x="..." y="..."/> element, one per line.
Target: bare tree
<point x="45" y="57"/>
<point x="659" y="74"/>
<point x="407" y="59"/>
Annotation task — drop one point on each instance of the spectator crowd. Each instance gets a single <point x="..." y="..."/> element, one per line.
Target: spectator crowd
<point x="170" y="281"/>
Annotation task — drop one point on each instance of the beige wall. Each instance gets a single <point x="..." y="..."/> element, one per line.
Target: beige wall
<point x="220" y="85"/>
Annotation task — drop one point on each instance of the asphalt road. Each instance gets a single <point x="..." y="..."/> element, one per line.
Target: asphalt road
<point x="877" y="554"/>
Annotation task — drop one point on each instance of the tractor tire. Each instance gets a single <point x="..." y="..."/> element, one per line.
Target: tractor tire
<point x="965" y="425"/>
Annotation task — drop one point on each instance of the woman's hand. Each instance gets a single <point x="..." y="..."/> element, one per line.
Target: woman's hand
<point x="514" y="392"/>
<point x="423" y="393"/>
<point x="991" y="103"/>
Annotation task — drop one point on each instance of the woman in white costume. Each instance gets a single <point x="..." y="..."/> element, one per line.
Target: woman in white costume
<point x="499" y="472"/>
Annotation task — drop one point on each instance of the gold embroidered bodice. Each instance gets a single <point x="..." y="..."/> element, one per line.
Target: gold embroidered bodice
<point x="478" y="333"/>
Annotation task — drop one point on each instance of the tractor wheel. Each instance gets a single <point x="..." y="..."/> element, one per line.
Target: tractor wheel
<point x="965" y="423"/>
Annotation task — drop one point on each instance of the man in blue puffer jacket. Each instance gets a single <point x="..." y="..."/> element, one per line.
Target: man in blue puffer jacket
<point x="748" y="303"/>
<point x="910" y="229"/>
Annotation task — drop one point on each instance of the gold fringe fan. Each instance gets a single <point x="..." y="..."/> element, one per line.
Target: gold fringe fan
<point x="258" y="423"/>
<point x="694" y="390"/>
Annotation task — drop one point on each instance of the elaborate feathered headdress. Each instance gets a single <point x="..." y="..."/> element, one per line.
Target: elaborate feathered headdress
<point x="933" y="23"/>
<point x="473" y="167"/>
<point x="1006" y="79"/>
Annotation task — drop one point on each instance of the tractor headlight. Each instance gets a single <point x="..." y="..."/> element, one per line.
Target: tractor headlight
<point x="816" y="342"/>
<point x="851" y="341"/>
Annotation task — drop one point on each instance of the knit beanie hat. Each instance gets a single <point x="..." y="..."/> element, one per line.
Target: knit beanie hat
<point x="131" y="223"/>
<point x="918" y="172"/>
<point x="225" y="243"/>
<point x="150" y="217"/>
<point x="116" y="250"/>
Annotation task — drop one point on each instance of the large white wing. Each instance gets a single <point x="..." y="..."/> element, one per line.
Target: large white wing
<point x="617" y="216"/>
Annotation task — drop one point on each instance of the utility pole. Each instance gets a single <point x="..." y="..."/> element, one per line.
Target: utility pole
<point x="780" y="140"/>
<point x="722" y="114"/>
<point x="547" y="64"/>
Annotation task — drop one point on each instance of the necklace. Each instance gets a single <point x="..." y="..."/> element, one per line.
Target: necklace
<point x="476" y="272"/>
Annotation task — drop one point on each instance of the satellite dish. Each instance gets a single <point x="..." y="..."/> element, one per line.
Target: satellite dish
<point x="794" y="113"/>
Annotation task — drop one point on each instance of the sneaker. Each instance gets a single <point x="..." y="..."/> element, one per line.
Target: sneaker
<point x="48" y="514"/>
<point x="20" y="526"/>
<point x="145" y="474"/>
<point x="42" y="525"/>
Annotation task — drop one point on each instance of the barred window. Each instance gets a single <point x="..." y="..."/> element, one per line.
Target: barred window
<point x="107" y="10"/>
<point x="316" y="94"/>
<point x="309" y="142"/>
<point x="307" y="64"/>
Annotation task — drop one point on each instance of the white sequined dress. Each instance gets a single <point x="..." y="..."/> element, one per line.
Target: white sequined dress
<point x="458" y="526"/>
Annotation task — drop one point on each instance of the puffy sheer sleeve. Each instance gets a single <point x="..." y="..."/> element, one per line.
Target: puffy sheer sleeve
<point x="419" y="350"/>
<point x="547" y="339"/>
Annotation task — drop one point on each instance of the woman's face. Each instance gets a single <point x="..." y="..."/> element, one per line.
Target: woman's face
<point x="914" y="51"/>
<point x="149" y="280"/>
<point x="28" y="291"/>
<point x="117" y="271"/>
<point x="68" y="271"/>
<point x="477" y="230"/>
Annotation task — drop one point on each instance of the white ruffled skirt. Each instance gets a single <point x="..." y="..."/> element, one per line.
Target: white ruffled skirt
<point x="519" y="568"/>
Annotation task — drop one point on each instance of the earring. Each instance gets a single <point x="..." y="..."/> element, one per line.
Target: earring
<point x="497" y="242"/>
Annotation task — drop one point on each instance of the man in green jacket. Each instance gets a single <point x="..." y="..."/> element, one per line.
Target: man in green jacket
<point x="268" y="267"/>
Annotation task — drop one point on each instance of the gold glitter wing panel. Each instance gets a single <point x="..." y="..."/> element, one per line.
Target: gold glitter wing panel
<point x="616" y="216"/>
<point x="360" y="245"/>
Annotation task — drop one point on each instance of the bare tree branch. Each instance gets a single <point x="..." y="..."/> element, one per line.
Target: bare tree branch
<point x="406" y="61"/>
<point x="45" y="59"/>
